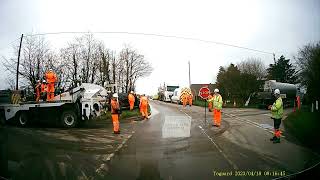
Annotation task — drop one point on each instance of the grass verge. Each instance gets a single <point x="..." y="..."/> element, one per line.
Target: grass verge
<point x="305" y="126"/>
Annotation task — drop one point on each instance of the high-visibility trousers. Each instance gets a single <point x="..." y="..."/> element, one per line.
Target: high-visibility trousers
<point x="144" y="111"/>
<point x="131" y="103"/>
<point x="190" y="102"/>
<point x="115" y="121"/>
<point x="276" y="125"/>
<point x="216" y="117"/>
<point x="50" y="91"/>
<point x="184" y="102"/>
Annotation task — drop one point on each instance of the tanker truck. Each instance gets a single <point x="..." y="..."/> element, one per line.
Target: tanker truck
<point x="288" y="93"/>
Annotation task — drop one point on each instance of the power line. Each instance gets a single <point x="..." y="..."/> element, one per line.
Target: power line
<point x="157" y="35"/>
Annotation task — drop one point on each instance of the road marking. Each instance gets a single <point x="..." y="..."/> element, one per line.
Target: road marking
<point x="235" y="167"/>
<point x="251" y="123"/>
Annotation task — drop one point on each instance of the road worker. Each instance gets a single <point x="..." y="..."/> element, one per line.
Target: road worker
<point x="51" y="78"/>
<point x="38" y="90"/>
<point x="277" y="114"/>
<point x="217" y="107"/>
<point x="144" y="107"/>
<point x="184" y="99"/>
<point x="44" y="90"/>
<point x="115" y="111"/>
<point x="190" y="96"/>
<point x="131" y="100"/>
<point x="210" y="101"/>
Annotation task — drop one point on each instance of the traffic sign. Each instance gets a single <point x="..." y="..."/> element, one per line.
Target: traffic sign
<point x="204" y="92"/>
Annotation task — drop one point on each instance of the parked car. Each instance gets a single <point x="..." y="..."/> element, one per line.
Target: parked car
<point x="123" y="101"/>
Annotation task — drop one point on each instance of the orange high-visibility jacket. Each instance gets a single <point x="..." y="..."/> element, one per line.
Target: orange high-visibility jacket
<point x="51" y="77"/>
<point x="143" y="102"/>
<point x="131" y="97"/>
<point x="114" y="106"/>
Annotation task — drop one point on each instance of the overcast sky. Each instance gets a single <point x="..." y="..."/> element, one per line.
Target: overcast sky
<point x="275" y="26"/>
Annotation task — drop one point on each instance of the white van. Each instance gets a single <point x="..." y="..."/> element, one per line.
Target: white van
<point x="175" y="98"/>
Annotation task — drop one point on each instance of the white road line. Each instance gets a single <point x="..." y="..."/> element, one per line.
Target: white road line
<point x="235" y="167"/>
<point x="250" y="122"/>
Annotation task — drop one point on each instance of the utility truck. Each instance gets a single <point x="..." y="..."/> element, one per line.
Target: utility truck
<point x="69" y="109"/>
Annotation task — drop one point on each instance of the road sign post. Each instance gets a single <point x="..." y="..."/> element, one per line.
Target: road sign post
<point x="204" y="93"/>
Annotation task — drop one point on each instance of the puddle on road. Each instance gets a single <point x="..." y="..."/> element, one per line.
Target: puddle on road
<point x="176" y="126"/>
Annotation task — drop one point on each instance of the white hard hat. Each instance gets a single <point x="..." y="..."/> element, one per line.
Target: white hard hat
<point x="277" y="91"/>
<point x="216" y="90"/>
<point x="131" y="92"/>
<point x="115" y="95"/>
<point x="50" y="69"/>
<point x="38" y="80"/>
<point x="44" y="81"/>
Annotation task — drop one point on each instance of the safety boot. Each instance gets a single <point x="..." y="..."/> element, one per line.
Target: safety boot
<point x="277" y="140"/>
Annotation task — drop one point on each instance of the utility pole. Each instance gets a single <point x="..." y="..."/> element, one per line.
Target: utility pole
<point x="17" y="77"/>
<point x="189" y="75"/>
<point x="274" y="58"/>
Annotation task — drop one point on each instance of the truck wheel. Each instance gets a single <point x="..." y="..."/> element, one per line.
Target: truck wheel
<point x="69" y="119"/>
<point x="22" y="119"/>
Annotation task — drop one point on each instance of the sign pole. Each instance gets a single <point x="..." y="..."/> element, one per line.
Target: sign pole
<point x="205" y="112"/>
<point x="204" y="92"/>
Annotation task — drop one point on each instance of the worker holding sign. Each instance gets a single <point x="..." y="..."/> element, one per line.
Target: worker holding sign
<point x="217" y="107"/>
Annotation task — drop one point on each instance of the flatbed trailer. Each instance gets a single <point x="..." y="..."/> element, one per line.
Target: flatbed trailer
<point x="68" y="109"/>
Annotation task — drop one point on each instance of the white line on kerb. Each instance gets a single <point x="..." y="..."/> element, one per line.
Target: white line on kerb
<point x="235" y="167"/>
<point x="250" y="122"/>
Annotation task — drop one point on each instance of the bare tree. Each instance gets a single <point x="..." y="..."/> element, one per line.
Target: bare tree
<point x="253" y="66"/>
<point x="33" y="53"/>
<point x="84" y="59"/>
<point x="133" y="67"/>
<point x="104" y="64"/>
<point x="71" y="56"/>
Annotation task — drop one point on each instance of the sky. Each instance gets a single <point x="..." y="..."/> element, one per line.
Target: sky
<point x="280" y="27"/>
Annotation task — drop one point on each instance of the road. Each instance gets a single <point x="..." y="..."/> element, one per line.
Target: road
<point x="241" y="147"/>
<point x="238" y="149"/>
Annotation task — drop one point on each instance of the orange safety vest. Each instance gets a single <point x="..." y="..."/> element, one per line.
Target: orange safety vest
<point x="131" y="98"/>
<point x="114" y="106"/>
<point x="51" y="77"/>
<point x="144" y="102"/>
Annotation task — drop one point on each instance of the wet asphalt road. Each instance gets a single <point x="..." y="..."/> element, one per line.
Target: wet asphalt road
<point x="239" y="149"/>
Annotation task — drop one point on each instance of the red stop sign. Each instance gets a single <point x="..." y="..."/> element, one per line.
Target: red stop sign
<point x="204" y="92"/>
